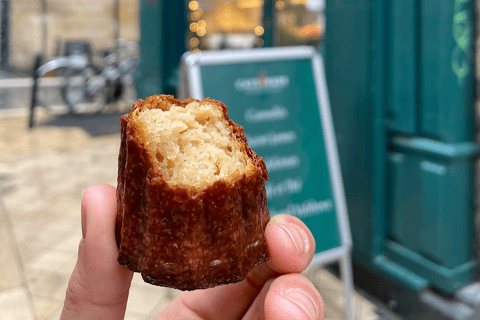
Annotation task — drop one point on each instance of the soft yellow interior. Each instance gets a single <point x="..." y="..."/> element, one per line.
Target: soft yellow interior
<point x="193" y="145"/>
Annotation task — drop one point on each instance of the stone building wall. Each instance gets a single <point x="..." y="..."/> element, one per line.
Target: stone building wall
<point x="82" y="20"/>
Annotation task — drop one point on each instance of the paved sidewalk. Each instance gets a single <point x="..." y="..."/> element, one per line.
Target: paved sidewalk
<point x="43" y="172"/>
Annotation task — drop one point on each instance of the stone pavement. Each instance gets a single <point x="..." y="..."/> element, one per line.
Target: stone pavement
<point x="43" y="172"/>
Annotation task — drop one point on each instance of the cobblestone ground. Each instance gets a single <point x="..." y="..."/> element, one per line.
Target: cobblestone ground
<point x="43" y="172"/>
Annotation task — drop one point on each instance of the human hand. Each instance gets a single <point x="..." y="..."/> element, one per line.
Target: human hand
<point x="99" y="285"/>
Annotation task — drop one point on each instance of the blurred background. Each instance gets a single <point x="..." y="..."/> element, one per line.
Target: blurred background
<point x="401" y="77"/>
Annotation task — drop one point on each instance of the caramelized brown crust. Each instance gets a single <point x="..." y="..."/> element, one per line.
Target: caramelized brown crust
<point x="184" y="237"/>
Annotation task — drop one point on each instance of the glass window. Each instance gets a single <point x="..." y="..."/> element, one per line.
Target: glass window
<point x="299" y="22"/>
<point x="224" y="24"/>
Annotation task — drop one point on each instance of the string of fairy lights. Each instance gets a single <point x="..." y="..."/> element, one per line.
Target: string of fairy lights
<point x="197" y="26"/>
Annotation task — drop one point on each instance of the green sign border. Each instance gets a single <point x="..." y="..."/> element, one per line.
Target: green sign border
<point x="191" y="85"/>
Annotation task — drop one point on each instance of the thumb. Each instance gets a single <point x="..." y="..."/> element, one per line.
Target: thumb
<point x="98" y="288"/>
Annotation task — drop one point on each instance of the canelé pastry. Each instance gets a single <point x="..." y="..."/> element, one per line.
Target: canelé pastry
<point x="192" y="205"/>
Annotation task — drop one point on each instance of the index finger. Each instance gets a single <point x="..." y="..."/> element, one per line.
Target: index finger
<point x="291" y="246"/>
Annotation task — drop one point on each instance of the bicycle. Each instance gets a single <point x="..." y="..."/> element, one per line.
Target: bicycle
<point x="88" y="87"/>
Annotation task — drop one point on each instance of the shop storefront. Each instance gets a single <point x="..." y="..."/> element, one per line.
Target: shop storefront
<point x="401" y="78"/>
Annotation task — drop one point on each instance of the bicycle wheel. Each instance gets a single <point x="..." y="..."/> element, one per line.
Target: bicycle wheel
<point x="76" y="96"/>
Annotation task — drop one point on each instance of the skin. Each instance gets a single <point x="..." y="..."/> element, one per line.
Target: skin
<point x="99" y="286"/>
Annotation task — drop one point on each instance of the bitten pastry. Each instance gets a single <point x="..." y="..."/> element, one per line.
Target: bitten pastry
<point x="192" y="205"/>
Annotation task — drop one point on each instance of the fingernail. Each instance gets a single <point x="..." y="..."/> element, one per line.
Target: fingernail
<point x="279" y="218"/>
<point x="301" y="300"/>
<point x="83" y="216"/>
<point x="296" y="235"/>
